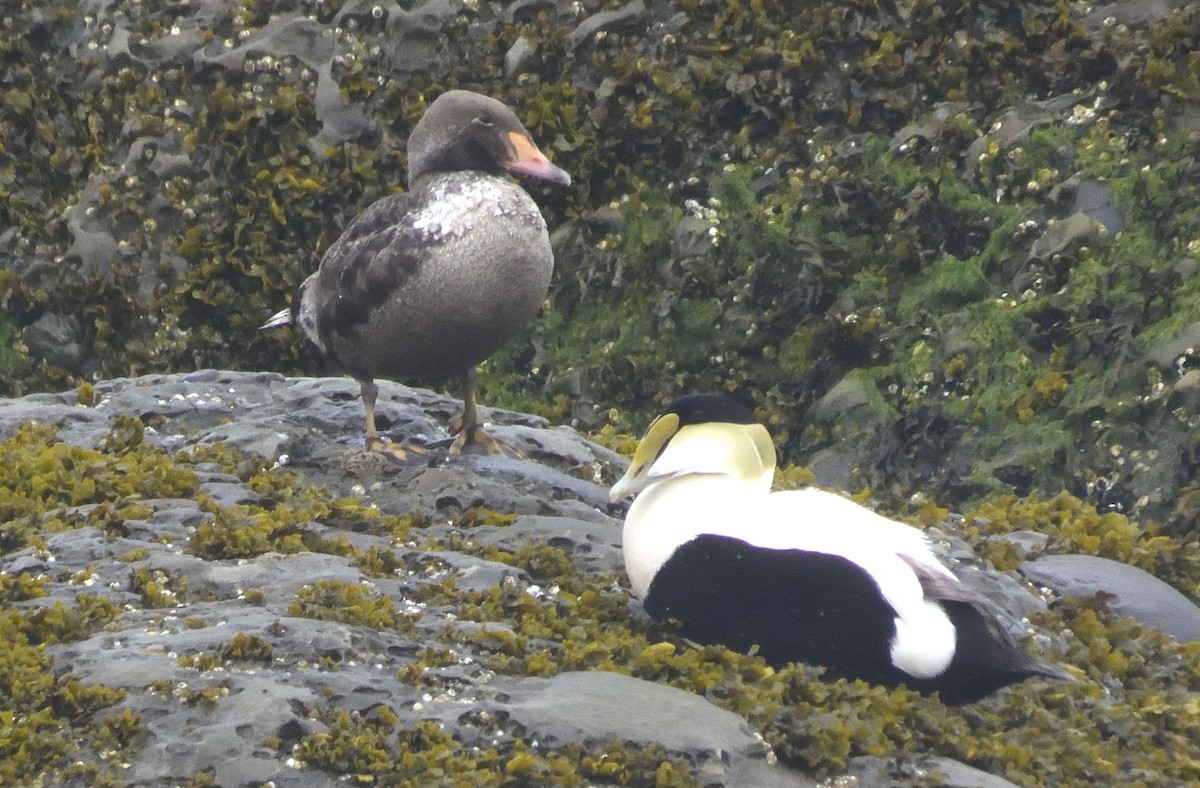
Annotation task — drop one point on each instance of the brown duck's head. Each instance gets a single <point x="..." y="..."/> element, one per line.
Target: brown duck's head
<point x="462" y="130"/>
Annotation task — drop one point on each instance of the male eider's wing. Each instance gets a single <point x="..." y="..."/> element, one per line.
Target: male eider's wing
<point x="818" y="514"/>
<point x="984" y="645"/>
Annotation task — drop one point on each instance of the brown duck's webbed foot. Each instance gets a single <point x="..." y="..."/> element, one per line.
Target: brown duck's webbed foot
<point x="402" y="453"/>
<point x="469" y="432"/>
<point x="466" y="437"/>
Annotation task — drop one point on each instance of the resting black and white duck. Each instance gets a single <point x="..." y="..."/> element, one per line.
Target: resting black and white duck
<point x="431" y="282"/>
<point x="804" y="575"/>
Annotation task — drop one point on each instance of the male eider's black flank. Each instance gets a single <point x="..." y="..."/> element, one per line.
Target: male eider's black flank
<point x="804" y="575"/>
<point x="431" y="282"/>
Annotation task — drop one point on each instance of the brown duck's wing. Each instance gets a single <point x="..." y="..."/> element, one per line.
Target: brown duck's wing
<point x="378" y="253"/>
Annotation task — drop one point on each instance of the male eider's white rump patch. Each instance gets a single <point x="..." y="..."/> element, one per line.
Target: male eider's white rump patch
<point x="924" y="641"/>
<point x="802" y="575"/>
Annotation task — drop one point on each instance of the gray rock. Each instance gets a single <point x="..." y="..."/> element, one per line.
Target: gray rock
<point x="1129" y="591"/>
<point x="605" y="20"/>
<point x="1096" y="201"/>
<point x="1170" y="353"/>
<point x="597" y="707"/>
<point x="217" y="718"/>
<point x="921" y="770"/>
<point x="845" y="401"/>
<point x="594" y="547"/>
<point x="57" y="339"/>
<point x="1029" y="542"/>
<point x="1078" y="228"/>
<point x="1134" y="13"/>
<point x="519" y="57"/>
<point x="692" y="238"/>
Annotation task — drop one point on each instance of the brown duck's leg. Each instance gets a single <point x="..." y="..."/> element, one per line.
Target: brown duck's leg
<point x="470" y="416"/>
<point x="400" y="453"/>
<point x="369" y="392"/>
<point x="468" y="431"/>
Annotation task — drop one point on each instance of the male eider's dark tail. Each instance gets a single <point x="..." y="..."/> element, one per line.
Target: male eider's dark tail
<point x="986" y="659"/>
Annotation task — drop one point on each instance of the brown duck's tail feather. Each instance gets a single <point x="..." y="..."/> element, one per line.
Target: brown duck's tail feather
<point x="281" y="318"/>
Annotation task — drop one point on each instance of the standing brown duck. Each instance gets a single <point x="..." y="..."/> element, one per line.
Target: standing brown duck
<point x="431" y="282"/>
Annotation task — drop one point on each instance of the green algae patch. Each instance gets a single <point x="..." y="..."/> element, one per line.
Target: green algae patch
<point x="279" y="520"/>
<point x="157" y="588"/>
<point x="193" y="697"/>
<point x="49" y="721"/>
<point x="376" y="748"/>
<point x="20" y="587"/>
<point x="245" y="532"/>
<point x="1075" y="527"/>
<point x="242" y="648"/>
<point x="52" y="486"/>
<point x="349" y="603"/>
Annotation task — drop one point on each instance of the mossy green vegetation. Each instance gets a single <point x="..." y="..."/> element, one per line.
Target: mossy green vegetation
<point x="48" y="719"/>
<point x="53" y="486"/>
<point x="241" y="649"/>
<point x="1075" y="527"/>
<point x="349" y="603"/>
<point x="277" y="522"/>
<point x="48" y="486"/>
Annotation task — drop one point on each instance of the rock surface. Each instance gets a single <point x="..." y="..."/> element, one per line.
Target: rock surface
<point x="314" y="425"/>
<point x="1126" y="590"/>
<point x="214" y="717"/>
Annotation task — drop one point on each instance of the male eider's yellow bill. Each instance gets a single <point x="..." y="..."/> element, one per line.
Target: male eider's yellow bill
<point x="638" y="477"/>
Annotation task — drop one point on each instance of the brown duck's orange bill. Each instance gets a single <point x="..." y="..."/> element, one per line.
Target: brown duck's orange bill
<point x="532" y="162"/>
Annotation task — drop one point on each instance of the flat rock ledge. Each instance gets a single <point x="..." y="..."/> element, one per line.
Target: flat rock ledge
<point x="313" y="426"/>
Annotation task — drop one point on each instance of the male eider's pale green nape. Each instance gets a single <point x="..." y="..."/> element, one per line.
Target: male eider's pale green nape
<point x="702" y="444"/>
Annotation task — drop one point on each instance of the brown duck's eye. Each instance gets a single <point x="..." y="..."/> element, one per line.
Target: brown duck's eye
<point x="484" y="120"/>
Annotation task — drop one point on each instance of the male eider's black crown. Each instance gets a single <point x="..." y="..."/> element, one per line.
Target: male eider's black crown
<point x="707" y="408"/>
